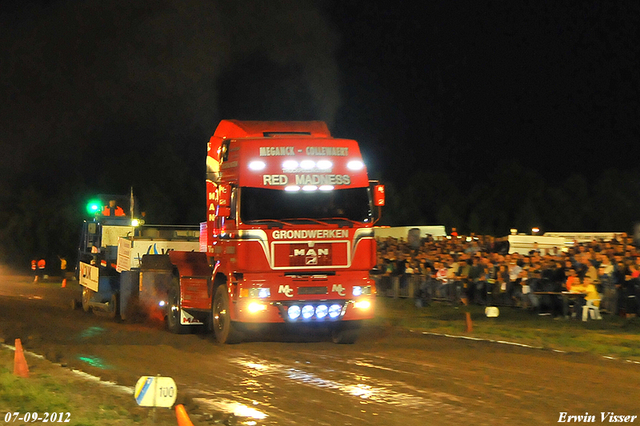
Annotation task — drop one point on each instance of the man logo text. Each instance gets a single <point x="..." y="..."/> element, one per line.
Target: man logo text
<point x="311" y="252"/>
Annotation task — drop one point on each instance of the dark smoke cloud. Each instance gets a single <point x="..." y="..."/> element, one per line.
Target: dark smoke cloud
<point x="73" y="70"/>
<point x="99" y="96"/>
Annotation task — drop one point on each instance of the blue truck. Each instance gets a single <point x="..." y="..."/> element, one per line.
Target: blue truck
<point x="114" y="256"/>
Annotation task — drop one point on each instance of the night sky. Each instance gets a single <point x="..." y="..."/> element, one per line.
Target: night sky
<point x="468" y="85"/>
<point x="98" y="95"/>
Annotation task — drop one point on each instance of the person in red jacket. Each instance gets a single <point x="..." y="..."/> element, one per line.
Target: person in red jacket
<point x="40" y="273"/>
<point x="112" y="209"/>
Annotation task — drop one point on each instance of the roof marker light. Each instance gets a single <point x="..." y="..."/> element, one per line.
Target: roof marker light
<point x="326" y="188"/>
<point x="290" y="165"/>
<point x="292" y="188"/>
<point x="324" y="164"/>
<point x="307" y="164"/>
<point x="355" y="165"/>
<point x="257" y="165"/>
<point x="309" y="188"/>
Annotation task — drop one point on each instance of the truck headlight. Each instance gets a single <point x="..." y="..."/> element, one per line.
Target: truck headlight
<point x="307" y="311"/>
<point x="256" y="307"/>
<point x="322" y="311"/>
<point x="362" y="304"/>
<point x="360" y="290"/>
<point x="334" y="311"/>
<point x="260" y="293"/>
<point x="293" y="312"/>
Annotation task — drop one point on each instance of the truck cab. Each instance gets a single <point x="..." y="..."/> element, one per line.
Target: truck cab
<point x="289" y="228"/>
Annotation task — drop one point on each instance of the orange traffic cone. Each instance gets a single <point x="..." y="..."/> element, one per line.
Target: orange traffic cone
<point x="182" y="416"/>
<point x="64" y="283"/>
<point x="469" y="323"/>
<point x="20" y="367"/>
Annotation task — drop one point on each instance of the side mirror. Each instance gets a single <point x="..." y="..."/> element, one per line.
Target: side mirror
<point x="378" y="195"/>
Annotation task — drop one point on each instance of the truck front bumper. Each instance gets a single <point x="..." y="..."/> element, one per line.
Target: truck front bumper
<point x="303" y="311"/>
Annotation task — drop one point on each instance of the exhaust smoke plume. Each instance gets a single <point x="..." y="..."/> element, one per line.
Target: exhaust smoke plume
<point x="74" y="70"/>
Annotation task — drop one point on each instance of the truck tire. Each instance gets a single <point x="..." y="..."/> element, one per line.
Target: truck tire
<point x="114" y="306"/>
<point x="174" y="309"/>
<point x="346" y="332"/>
<point x="223" y="328"/>
<point x="86" y="297"/>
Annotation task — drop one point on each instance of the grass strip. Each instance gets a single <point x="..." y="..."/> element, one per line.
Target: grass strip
<point x="612" y="336"/>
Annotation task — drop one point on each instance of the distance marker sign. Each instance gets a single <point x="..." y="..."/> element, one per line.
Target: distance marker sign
<point x="155" y="391"/>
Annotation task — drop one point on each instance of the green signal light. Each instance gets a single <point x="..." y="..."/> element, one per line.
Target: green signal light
<point x="94" y="206"/>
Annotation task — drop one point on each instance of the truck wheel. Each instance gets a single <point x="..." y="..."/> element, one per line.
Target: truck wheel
<point x="173" y="315"/>
<point x="113" y="306"/>
<point x="86" y="297"/>
<point x="223" y="327"/>
<point x="346" y="332"/>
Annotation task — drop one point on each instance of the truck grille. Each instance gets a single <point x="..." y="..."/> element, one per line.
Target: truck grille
<point x="312" y="290"/>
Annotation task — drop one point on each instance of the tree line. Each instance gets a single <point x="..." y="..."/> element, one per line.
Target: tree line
<point x="514" y="196"/>
<point x="41" y="218"/>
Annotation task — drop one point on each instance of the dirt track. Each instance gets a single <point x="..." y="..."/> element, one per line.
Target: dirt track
<point x="390" y="376"/>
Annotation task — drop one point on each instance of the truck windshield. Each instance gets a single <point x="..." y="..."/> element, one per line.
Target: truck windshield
<point x="272" y="204"/>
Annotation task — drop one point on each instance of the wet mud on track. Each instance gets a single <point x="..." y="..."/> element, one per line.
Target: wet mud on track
<point x="389" y="376"/>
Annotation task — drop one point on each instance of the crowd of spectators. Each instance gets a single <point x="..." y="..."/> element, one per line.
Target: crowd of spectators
<point x="480" y="270"/>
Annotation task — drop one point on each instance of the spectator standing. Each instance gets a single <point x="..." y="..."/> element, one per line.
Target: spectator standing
<point x="559" y="276"/>
<point x="621" y="275"/>
<point x="462" y="276"/>
<point x="63" y="270"/>
<point x="632" y="290"/>
<point x="501" y="286"/>
<point x="588" y="269"/>
<point x="572" y="277"/>
<point x="400" y="270"/>
<point x="455" y="285"/>
<point x="608" y="304"/>
<point x="41" y="266"/>
<point x="454" y="233"/>
<point x="427" y="285"/>
<point x="475" y="275"/>
<point x="515" y="291"/>
<point x="443" y="281"/>
<point x="485" y="286"/>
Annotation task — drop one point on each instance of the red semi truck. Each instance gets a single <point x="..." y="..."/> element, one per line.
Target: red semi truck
<point x="289" y="235"/>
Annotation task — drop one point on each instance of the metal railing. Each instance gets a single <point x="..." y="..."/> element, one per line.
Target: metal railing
<point x="398" y="287"/>
<point x="416" y="286"/>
